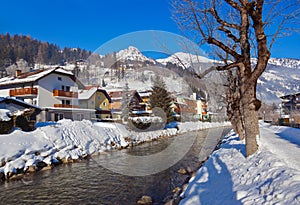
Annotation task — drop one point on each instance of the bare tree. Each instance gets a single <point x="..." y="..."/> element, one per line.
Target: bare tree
<point x="236" y="30"/>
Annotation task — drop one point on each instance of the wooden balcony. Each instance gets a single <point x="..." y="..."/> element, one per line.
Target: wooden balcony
<point x="65" y="106"/>
<point x="23" y="92"/>
<point x="62" y="93"/>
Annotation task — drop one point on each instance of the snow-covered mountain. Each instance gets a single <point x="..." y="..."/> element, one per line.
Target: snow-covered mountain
<point x="285" y="62"/>
<point x="281" y="77"/>
<point x="184" y="60"/>
<point x="133" y="54"/>
<point x="278" y="80"/>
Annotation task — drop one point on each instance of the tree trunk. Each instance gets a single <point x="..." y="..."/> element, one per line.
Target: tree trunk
<point x="239" y="125"/>
<point x="250" y="114"/>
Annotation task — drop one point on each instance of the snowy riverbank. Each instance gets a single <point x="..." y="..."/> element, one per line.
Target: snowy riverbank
<point x="66" y="141"/>
<point x="271" y="176"/>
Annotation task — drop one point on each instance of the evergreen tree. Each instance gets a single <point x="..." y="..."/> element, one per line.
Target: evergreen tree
<point x="76" y="70"/>
<point x="103" y="83"/>
<point x="126" y="106"/>
<point x="160" y="98"/>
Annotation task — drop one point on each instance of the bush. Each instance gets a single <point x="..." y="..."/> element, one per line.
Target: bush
<point x="6" y="126"/>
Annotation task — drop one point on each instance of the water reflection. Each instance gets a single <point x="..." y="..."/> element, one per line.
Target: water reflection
<point x="87" y="182"/>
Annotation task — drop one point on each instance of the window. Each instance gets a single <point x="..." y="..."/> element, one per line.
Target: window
<point x="59" y="78"/>
<point x="93" y="102"/>
<point x="68" y="102"/>
<point x="63" y="102"/>
<point x="80" y="117"/>
<point x="99" y="97"/>
<point x="62" y="87"/>
<point x="68" y="88"/>
<point x="58" y="116"/>
<point x="104" y="104"/>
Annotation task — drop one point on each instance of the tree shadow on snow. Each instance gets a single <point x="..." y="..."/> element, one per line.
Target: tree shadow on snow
<point x="292" y="135"/>
<point x="240" y="147"/>
<point x="217" y="189"/>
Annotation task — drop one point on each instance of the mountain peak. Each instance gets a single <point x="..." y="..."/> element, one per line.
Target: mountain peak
<point x="133" y="54"/>
<point x="186" y="59"/>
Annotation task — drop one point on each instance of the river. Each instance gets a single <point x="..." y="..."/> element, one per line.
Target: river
<point x="89" y="182"/>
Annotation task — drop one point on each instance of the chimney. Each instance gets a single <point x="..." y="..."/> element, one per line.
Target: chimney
<point x="17" y="73"/>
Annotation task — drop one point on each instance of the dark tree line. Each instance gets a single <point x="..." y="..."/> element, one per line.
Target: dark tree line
<point x="16" y="47"/>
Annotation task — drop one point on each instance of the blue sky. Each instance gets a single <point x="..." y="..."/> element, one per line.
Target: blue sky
<point x="91" y="23"/>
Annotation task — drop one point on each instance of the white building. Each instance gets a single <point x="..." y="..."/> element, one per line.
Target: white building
<point x="55" y="90"/>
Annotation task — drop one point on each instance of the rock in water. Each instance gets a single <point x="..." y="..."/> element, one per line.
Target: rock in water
<point x="145" y="200"/>
<point x="182" y="171"/>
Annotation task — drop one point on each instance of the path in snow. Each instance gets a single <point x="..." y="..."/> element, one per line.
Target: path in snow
<point x="281" y="144"/>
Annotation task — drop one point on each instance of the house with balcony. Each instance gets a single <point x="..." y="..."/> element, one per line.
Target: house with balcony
<point x="116" y="96"/>
<point x="291" y="102"/>
<point x="97" y="99"/>
<point x="55" y="90"/>
<point x="145" y="95"/>
<point x="191" y="108"/>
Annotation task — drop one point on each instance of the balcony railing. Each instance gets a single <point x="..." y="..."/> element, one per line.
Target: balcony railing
<point x="62" y="93"/>
<point x="65" y="106"/>
<point x="23" y="92"/>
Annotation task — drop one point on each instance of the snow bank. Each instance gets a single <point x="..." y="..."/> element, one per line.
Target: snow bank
<point x="264" y="178"/>
<point x="56" y="141"/>
<point x="139" y="137"/>
<point x="71" y="140"/>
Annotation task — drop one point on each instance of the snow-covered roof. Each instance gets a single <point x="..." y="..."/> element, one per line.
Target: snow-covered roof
<point x="86" y="94"/>
<point x="4" y="113"/>
<point x="17" y="101"/>
<point x="31" y="76"/>
<point x="145" y="94"/>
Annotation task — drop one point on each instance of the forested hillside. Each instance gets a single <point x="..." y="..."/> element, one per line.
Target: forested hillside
<point x="16" y="47"/>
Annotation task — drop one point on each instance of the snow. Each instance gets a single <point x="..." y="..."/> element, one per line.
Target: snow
<point x="33" y="77"/>
<point x="186" y="59"/>
<point x="86" y="94"/>
<point x="68" y="139"/>
<point x="133" y="54"/>
<point x="4" y="113"/>
<point x="270" y="176"/>
<point x="184" y="127"/>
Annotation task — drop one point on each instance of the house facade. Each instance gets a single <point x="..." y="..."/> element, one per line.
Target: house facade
<point x="191" y="108"/>
<point x="55" y="90"/>
<point x="291" y="102"/>
<point x="97" y="99"/>
<point x="116" y="96"/>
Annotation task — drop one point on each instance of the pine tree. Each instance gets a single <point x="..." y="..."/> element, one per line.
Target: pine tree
<point x="160" y="98"/>
<point x="126" y="105"/>
<point x="103" y="83"/>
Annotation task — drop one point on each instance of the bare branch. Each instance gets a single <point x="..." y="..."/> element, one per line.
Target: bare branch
<point x="222" y="46"/>
<point x="229" y="66"/>
<point x="234" y="4"/>
<point x="202" y="75"/>
<point x="229" y="34"/>
<point x="221" y="21"/>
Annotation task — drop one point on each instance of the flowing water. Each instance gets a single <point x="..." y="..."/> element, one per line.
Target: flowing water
<point x="88" y="182"/>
